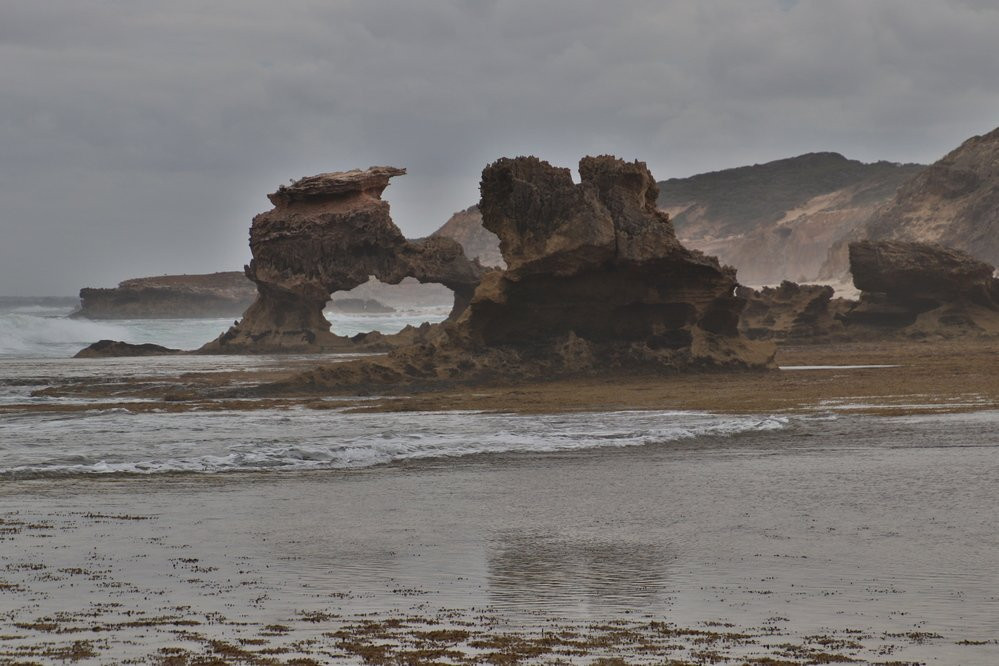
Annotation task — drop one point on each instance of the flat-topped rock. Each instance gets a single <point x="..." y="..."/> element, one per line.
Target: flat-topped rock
<point x="921" y="290"/>
<point x="372" y="180"/>
<point x="921" y="271"/>
<point x="170" y="296"/>
<point x="115" y="348"/>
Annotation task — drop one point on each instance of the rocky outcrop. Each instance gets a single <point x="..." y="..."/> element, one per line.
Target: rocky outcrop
<point x="596" y="281"/>
<point x="793" y="312"/>
<point x="922" y="290"/>
<point x="329" y="233"/>
<point x="170" y="296"/>
<point x="777" y="221"/>
<point x="907" y="290"/>
<point x="953" y="202"/>
<point x="465" y="226"/>
<point x="112" y="348"/>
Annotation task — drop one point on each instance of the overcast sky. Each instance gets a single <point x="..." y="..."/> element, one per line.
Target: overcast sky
<point x="139" y="137"/>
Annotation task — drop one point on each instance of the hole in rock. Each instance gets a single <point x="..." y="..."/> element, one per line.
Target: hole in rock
<point x="388" y="308"/>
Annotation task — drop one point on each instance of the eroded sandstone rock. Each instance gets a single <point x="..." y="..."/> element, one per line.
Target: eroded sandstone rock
<point x="329" y="233"/>
<point x="922" y="289"/>
<point x="794" y="312"/>
<point x="596" y="281"/>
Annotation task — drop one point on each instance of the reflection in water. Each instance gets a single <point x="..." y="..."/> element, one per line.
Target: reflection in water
<point x="552" y="572"/>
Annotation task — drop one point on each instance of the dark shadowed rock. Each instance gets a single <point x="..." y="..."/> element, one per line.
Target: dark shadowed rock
<point x="170" y="296"/>
<point x="330" y="233"/>
<point x="920" y="272"/>
<point x="596" y="281"/>
<point x="922" y="289"/>
<point x="908" y="290"/>
<point x="112" y="348"/>
<point x="798" y="312"/>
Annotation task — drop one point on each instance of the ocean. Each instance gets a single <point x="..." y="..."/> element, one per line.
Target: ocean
<point x="145" y="534"/>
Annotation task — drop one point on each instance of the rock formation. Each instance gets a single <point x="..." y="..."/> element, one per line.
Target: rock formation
<point x="908" y="290"/>
<point x="793" y="312"/>
<point x="596" y="281"/>
<point x="329" y="233"/>
<point x="465" y="226"/>
<point x="169" y="296"/>
<point x="773" y="221"/>
<point x="777" y="221"/>
<point x="922" y="289"/>
<point x="112" y="348"/>
<point x="954" y="202"/>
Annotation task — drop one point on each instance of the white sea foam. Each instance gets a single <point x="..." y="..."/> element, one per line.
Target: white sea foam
<point x="30" y="335"/>
<point x="39" y="331"/>
<point x="122" y="442"/>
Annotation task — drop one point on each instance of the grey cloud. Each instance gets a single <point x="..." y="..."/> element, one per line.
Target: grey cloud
<point x="139" y="138"/>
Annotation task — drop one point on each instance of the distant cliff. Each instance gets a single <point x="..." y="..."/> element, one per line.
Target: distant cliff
<point x="170" y="296"/>
<point x="954" y="202"/>
<point x="465" y="226"/>
<point x="777" y="221"/>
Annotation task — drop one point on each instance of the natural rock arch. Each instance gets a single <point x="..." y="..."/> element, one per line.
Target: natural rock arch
<point x="329" y="233"/>
<point x="596" y="281"/>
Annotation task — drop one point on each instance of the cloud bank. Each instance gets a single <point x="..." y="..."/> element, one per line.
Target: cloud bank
<point x="139" y="138"/>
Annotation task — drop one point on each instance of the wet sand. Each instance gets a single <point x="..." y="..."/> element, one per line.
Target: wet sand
<point x="856" y="537"/>
<point x="864" y="531"/>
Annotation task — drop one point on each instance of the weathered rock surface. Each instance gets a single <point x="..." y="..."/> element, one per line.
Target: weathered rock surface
<point x="921" y="290"/>
<point x="793" y="312"/>
<point x="170" y="296"/>
<point x="329" y="233"/>
<point x="954" y="202"/>
<point x="112" y="348"/>
<point x="465" y="226"/>
<point x="908" y="290"/>
<point x="596" y="281"/>
<point x="777" y="221"/>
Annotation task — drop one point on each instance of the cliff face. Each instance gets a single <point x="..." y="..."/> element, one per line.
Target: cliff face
<point x="777" y="221"/>
<point x="170" y="296"/>
<point x="953" y="202"/>
<point x="329" y="233"/>
<point x="596" y="280"/>
<point x="465" y="226"/>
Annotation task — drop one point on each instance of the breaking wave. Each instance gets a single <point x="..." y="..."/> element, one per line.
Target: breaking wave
<point x="41" y="331"/>
<point x="26" y="334"/>
<point x="120" y="442"/>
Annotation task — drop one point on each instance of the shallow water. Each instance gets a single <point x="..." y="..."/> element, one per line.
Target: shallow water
<point x="45" y="331"/>
<point x="796" y="525"/>
<point x="117" y="440"/>
<point x="825" y="524"/>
